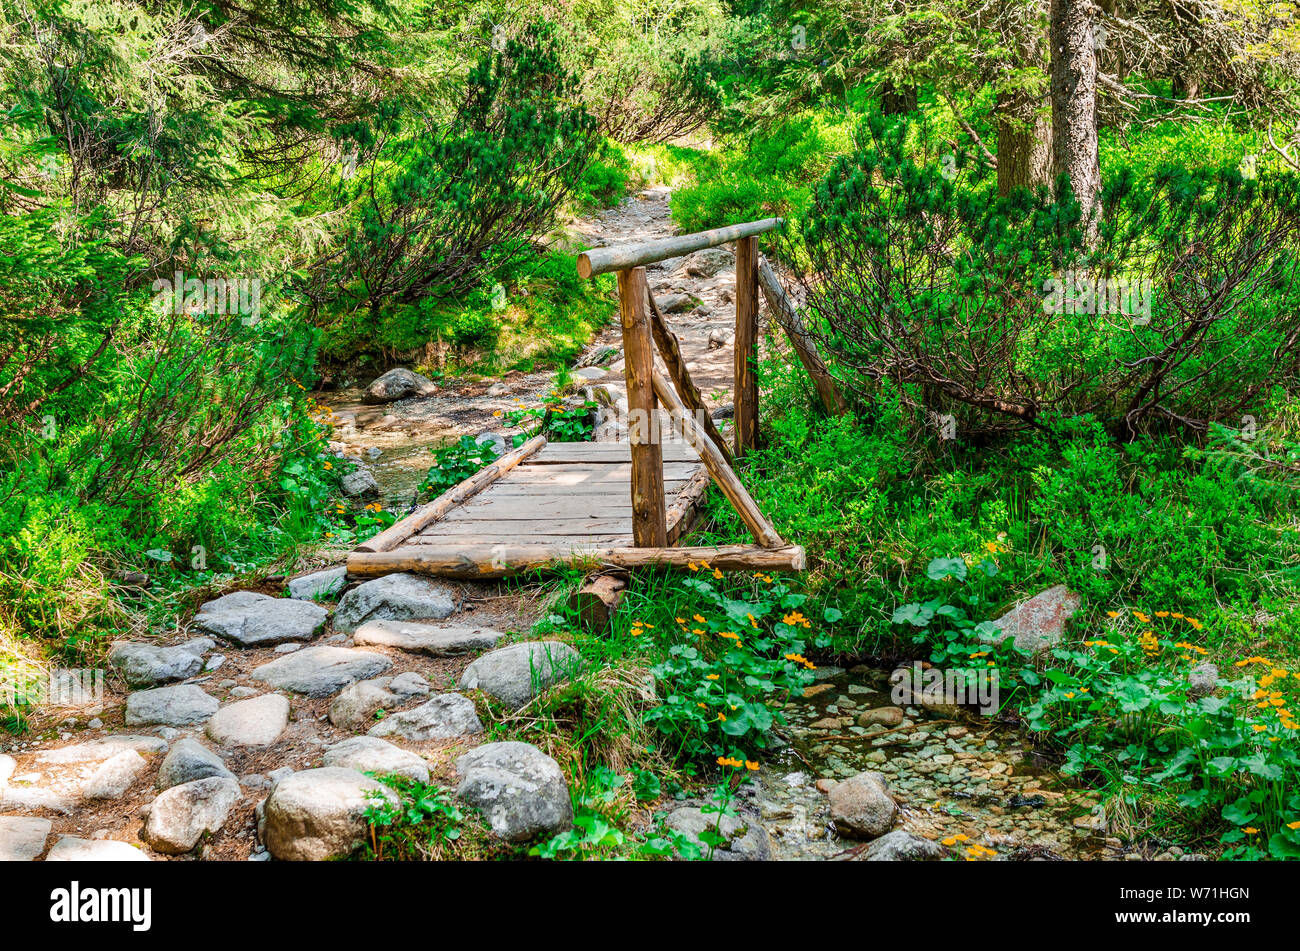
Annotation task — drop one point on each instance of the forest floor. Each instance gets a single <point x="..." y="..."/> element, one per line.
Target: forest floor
<point x="950" y="778"/>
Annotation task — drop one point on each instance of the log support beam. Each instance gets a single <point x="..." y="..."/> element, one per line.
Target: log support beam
<point x="484" y="562"/>
<point x="805" y="348"/>
<point x="649" y="523"/>
<point x="722" y="474"/>
<point x="746" y="345"/>
<point x="671" y="351"/>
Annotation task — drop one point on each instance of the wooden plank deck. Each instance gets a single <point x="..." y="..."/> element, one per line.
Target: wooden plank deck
<point x="556" y="504"/>
<point x="572" y="493"/>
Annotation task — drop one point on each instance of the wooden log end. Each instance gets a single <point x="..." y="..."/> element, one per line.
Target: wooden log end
<point x="584" y="266"/>
<point x="596" y="602"/>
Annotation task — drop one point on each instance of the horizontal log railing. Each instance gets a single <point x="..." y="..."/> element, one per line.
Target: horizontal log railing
<point x="623" y="257"/>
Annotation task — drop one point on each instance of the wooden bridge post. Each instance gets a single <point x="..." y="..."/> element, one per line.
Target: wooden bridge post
<point x="649" y="518"/>
<point x="746" y="345"/>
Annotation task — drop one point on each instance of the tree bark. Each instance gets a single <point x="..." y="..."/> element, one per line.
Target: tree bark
<point x="1024" y="144"/>
<point x="898" y="99"/>
<point x="1186" y="85"/>
<point x="1074" y="106"/>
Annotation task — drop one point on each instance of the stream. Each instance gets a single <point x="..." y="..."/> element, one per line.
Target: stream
<point x="952" y="776"/>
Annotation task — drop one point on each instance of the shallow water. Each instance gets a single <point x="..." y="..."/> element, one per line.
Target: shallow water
<point x="963" y="775"/>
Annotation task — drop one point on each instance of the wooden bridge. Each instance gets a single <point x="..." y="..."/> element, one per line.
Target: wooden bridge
<point x="617" y="506"/>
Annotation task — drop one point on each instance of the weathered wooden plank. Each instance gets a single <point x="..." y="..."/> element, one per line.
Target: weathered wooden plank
<point x="532" y="509"/>
<point x="544" y="490"/>
<point x="579" y="476"/>
<point x="514" y="538"/>
<point x="559" y="526"/>
<point x="626" y="256"/>
<point x="499" y="561"/>
<point x="561" y="453"/>
<point x="457" y="495"/>
<point x="648" y="524"/>
<point x="746" y="346"/>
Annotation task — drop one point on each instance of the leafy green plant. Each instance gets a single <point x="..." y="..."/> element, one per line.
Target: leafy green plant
<point x="422" y="823"/>
<point x="457" y="462"/>
<point x="950" y="630"/>
<point x="554" y="419"/>
<point x="595" y="833"/>
<point x="1124" y="704"/>
<point x="726" y="674"/>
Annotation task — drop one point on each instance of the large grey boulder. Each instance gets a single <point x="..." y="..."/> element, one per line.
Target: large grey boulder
<point x="518" y="788"/>
<point x="114" y="776"/>
<point x="747" y="840"/>
<point x="33" y="799"/>
<point x="1038" y="624"/>
<point x="319" y="584"/>
<point x="71" y="848"/>
<point x="22" y="839"/>
<point x="359" y="483"/>
<point x="673" y="303"/>
<point x="516" y="674"/>
<point x="445" y="716"/>
<point x="431" y="639"/>
<point x="258" y="620"/>
<point x="399" y="597"/>
<point x="182" y="705"/>
<point x="398" y="384"/>
<point x="861" y="807"/>
<point x="901" y="846"/>
<point x="258" y="721"/>
<point x="321" y="671"/>
<point x="96" y="751"/>
<point x="369" y="754"/>
<point x="181" y="815"/>
<point x="319" y="814"/>
<point x="410" y="684"/>
<point x="190" y="760"/>
<point x="1202" y="680"/>
<point x="148" y="665"/>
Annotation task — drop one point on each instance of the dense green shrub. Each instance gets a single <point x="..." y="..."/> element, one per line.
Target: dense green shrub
<point x="874" y="497"/>
<point x="991" y="311"/>
<point x="605" y="180"/>
<point x="442" y="196"/>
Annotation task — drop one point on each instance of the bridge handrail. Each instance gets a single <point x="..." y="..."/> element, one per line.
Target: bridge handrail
<point x="623" y="256"/>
